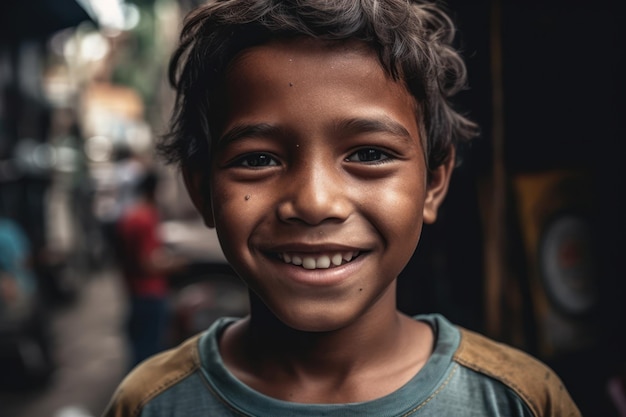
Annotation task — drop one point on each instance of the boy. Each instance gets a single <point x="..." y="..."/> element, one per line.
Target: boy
<point x="316" y="137"/>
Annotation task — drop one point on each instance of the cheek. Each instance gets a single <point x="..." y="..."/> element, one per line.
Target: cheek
<point x="230" y="210"/>
<point x="397" y="208"/>
<point x="403" y="227"/>
<point x="238" y="210"/>
<point x="403" y="220"/>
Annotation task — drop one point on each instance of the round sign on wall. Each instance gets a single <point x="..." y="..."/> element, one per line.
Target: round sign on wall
<point x="566" y="264"/>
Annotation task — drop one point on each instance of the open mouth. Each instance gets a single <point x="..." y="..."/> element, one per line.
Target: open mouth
<point x="321" y="261"/>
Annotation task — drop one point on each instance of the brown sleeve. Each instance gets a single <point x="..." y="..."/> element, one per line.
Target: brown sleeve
<point x="152" y="377"/>
<point x="536" y="384"/>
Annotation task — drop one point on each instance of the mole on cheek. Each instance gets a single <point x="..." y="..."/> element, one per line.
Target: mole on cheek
<point x="247" y="197"/>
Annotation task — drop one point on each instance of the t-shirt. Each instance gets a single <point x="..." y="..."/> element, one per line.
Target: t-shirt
<point x="467" y="375"/>
<point x="138" y="237"/>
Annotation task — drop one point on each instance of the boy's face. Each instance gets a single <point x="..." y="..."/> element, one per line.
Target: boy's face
<point x="319" y="185"/>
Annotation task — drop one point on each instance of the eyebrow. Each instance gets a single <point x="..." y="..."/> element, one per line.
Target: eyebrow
<point x="373" y="125"/>
<point x="352" y="126"/>
<point x="240" y="131"/>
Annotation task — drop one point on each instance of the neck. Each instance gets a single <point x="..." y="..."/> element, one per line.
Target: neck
<point x="270" y="356"/>
<point x="367" y="332"/>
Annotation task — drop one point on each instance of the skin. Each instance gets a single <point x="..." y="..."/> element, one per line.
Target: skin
<point x="320" y="153"/>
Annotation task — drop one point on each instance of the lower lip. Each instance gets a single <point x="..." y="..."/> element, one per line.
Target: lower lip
<point x="319" y="277"/>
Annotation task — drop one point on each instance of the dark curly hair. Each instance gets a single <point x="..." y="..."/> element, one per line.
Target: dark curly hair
<point x="413" y="41"/>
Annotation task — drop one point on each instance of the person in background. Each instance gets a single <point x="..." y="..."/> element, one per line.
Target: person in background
<point x="16" y="275"/>
<point x="126" y="171"/>
<point x="26" y="338"/>
<point x="145" y="265"/>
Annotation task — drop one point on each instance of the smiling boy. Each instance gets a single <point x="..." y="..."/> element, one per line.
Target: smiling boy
<point x="317" y="138"/>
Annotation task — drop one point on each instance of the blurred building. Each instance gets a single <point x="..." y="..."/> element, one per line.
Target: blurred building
<point x="28" y="158"/>
<point x="81" y="82"/>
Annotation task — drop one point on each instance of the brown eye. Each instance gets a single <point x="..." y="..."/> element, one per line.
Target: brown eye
<point x="257" y="160"/>
<point x="368" y="155"/>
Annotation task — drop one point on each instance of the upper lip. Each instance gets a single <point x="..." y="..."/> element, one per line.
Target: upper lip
<point x="313" y="248"/>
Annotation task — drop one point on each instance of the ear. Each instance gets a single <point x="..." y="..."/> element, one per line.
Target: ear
<point x="437" y="188"/>
<point x="200" y="193"/>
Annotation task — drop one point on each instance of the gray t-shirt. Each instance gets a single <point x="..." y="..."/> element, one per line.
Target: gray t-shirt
<point x="467" y="375"/>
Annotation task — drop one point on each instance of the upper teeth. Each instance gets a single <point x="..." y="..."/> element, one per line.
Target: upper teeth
<point x="318" y="262"/>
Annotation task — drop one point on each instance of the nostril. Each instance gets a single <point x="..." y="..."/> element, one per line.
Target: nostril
<point x="313" y="192"/>
<point x="313" y="209"/>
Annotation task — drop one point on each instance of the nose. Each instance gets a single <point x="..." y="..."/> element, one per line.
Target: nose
<point x="314" y="193"/>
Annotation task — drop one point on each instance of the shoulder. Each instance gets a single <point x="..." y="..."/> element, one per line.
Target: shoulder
<point x="153" y="377"/>
<point x="536" y="384"/>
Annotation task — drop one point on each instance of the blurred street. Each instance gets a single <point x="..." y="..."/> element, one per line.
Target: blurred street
<point x="90" y="352"/>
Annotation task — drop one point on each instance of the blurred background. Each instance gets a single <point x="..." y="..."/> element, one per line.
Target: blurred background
<point x="528" y="248"/>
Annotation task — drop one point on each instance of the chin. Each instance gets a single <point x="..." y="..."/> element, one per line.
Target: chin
<point x="316" y="320"/>
<point x="315" y="327"/>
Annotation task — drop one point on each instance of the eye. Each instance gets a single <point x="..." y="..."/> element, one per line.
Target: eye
<point x="368" y="155"/>
<point x="256" y="160"/>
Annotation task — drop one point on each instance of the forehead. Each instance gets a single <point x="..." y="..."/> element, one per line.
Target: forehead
<point x="286" y="55"/>
<point x="304" y="74"/>
<point x="302" y="47"/>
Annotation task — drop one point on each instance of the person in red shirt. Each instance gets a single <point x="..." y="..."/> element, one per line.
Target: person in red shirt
<point x="145" y="265"/>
